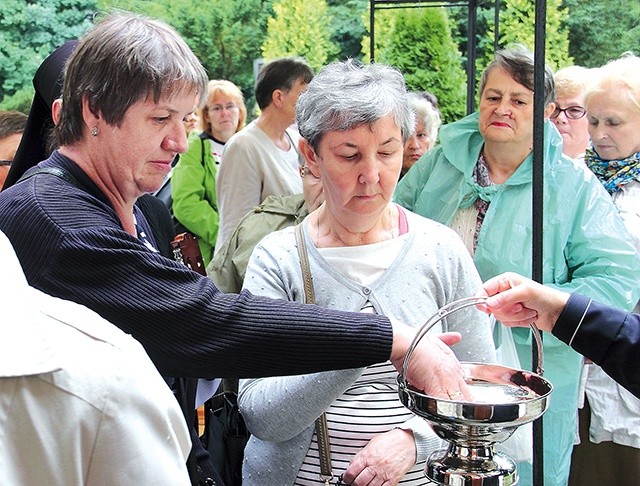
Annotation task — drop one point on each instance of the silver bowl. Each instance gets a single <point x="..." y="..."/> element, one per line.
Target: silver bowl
<point x="502" y="399"/>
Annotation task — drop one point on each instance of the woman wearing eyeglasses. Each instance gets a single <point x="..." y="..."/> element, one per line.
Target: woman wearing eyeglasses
<point x="479" y="182"/>
<point x="193" y="183"/>
<point x="609" y="449"/>
<point x="569" y="115"/>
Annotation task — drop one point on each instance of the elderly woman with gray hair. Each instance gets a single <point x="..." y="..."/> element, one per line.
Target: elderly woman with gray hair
<point x="609" y="449"/>
<point x="425" y="134"/>
<point x="479" y="182"/>
<point x="365" y="254"/>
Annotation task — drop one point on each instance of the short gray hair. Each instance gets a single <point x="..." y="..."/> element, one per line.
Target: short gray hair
<point x="124" y="59"/>
<point x="620" y="76"/>
<point x="572" y="81"/>
<point x="518" y="62"/>
<point x="345" y="95"/>
<point x="426" y="113"/>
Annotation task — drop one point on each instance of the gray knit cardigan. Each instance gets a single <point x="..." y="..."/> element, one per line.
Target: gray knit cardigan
<point x="433" y="269"/>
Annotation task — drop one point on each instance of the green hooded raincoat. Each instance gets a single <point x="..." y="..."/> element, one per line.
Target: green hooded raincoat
<point x="586" y="249"/>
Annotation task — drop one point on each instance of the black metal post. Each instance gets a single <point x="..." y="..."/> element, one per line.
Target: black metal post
<point x="472" y="20"/>
<point x="496" y="26"/>
<point x="538" y="202"/>
<point x="372" y="9"/>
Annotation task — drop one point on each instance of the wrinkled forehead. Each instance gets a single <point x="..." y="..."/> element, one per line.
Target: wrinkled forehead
<point x="615" y="100"/>
<point x="502" y="79"/>
<point x="9" y="145"/>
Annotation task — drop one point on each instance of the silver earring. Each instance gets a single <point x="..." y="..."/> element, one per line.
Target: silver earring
<point x="94" y="132"/>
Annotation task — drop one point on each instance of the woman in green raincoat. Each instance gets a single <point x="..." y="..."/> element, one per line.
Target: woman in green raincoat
<point x="193" y="183"/>
<point x="479" y="182"/>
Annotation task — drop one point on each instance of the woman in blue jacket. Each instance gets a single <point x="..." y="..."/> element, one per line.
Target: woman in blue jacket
<point x="479" y="182"/>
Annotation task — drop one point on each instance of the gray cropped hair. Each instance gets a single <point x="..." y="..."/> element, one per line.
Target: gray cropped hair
<point x="347" y="94"/>
<point x="620" y="76"/>
<point x="124" y="59"/>
<point x="518" y="62"/>
<point x="427" y="113"/>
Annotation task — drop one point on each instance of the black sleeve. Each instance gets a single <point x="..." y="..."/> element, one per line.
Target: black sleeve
<point x="608" y="336"/>
<point x="72" y="246"/>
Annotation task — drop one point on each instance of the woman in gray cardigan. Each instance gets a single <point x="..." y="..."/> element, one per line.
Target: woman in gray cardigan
<point x="366" y="254"/>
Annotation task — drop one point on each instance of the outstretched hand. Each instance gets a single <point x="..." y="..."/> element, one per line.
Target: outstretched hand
<point x="433" y="367"/>
<point x="517" y="301"/>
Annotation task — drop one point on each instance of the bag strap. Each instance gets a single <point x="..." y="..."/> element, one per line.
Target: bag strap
<point x="295" y="147"/>
<point x="202" y="149"/>
<point x="322" y="430"/>
<point x="309" y="294"/>
<point x="56" y="171"/>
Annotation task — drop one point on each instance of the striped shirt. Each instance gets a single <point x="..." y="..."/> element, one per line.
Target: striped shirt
<point x="371" y="405"/>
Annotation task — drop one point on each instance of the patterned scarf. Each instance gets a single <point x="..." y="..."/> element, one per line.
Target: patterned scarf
<point x="481" y="177"/>
<point x="613" y="173"/>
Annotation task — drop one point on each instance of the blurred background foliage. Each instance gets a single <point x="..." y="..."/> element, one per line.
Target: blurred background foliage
<point x="232" y="37"/>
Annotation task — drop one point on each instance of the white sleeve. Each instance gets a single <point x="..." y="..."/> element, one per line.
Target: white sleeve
<point x="142" y="437"/>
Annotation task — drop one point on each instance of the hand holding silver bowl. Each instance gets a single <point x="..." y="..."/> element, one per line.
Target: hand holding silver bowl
<point x="502" y="399"/>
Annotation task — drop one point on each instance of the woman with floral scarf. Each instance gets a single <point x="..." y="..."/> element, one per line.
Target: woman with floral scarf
<point x="610" y="433"/>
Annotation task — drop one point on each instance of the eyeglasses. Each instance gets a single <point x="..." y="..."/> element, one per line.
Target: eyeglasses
<point x="5" y="163"/>
<point x="218" y="108"/>
<point x="571" y="112"/>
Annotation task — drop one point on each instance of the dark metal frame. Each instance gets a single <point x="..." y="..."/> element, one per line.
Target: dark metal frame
<point x="538" y="139"/>
<point x="472" y="18"/>
<point x="538" y="199"/>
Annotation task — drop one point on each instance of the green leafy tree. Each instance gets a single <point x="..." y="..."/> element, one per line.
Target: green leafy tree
<point x="29" y="32"/>
<point x="347" y="27"/>
<point x="602" y="31"/>
<point x="384" y="21"/>
<point x="152" y="8"/>
<point x="226" y="35"/>
<point x="459" y="19"/>
<point x="517" y="21"/>
<point x="516" y="25"/>
<point x="420" y="45"/>
<point x="300" y="28"/>
<point x="485" y="18"/>
<point x="20" y="100"/>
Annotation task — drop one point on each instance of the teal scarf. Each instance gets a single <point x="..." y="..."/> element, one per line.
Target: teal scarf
<point x="613" y="173"/>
